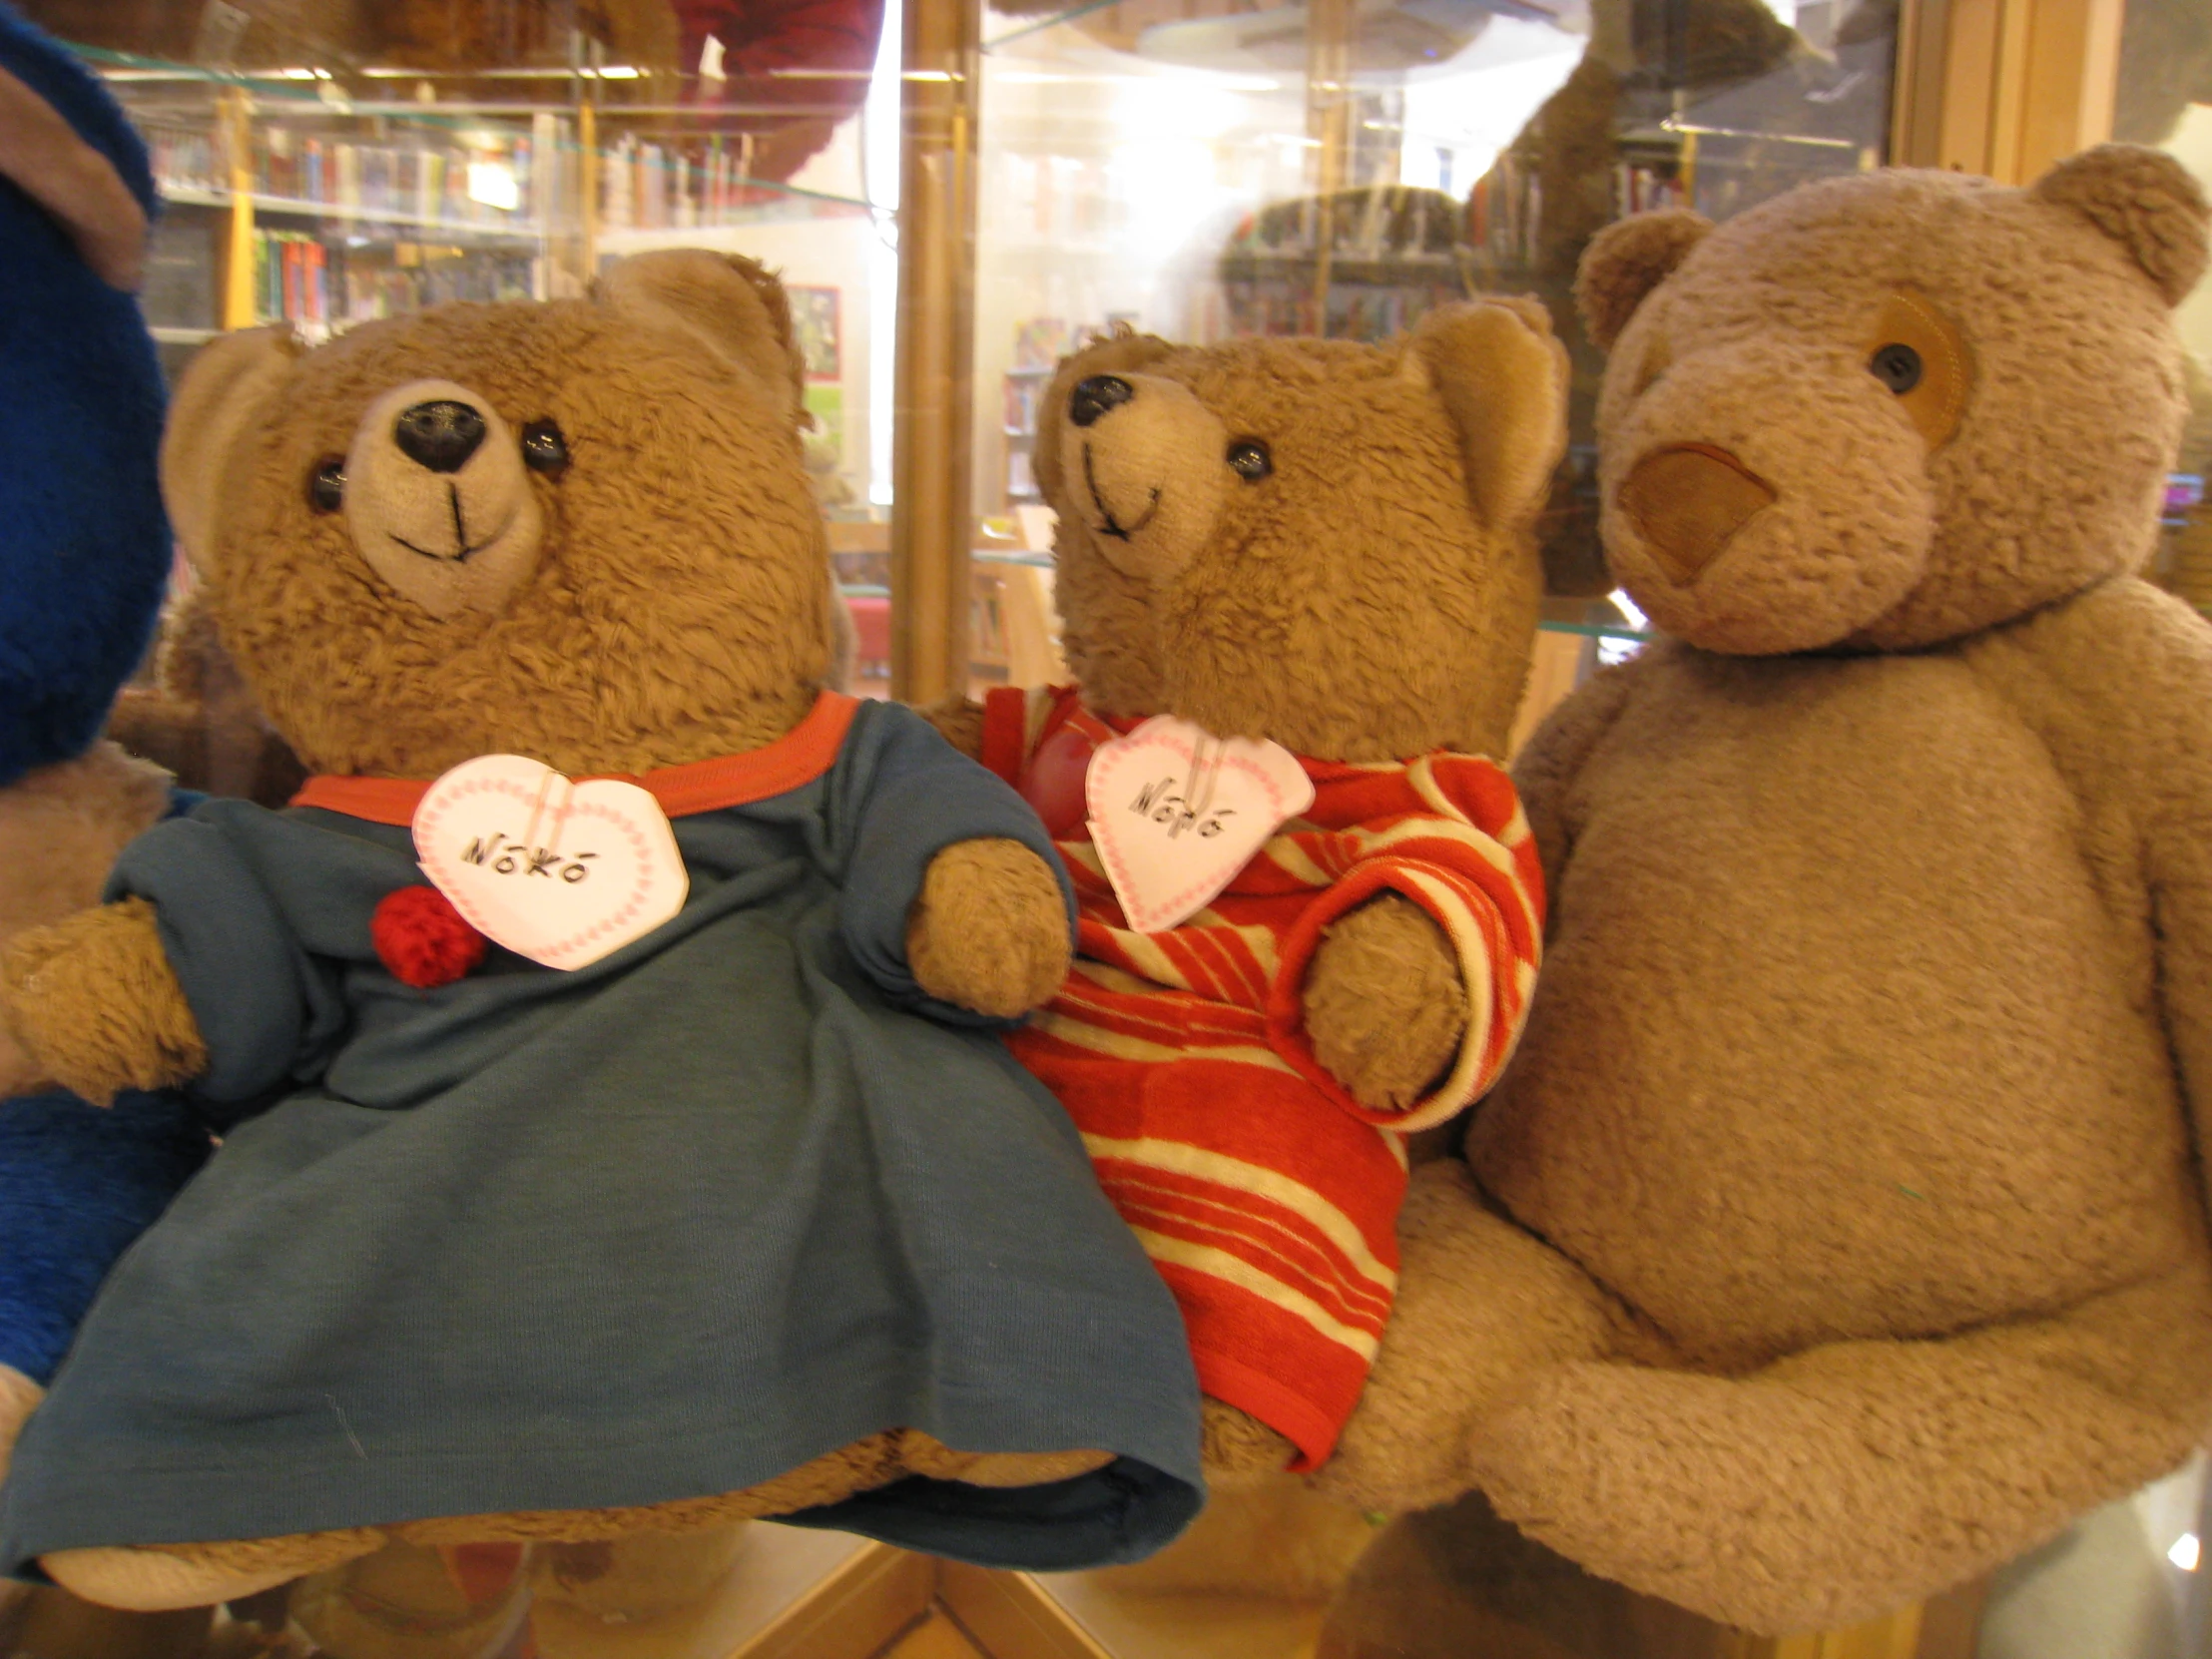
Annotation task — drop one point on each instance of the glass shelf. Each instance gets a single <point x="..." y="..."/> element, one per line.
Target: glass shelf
<point x="1032" y="26"/>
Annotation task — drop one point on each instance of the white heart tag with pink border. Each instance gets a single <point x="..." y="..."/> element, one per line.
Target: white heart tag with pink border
<point x="1176" y="813"/>
<point x="558" y="871"/>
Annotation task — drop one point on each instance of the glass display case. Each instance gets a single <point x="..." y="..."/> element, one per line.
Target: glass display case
<point x="954" y="203"/>
<point x="2164" y="97"/>
<point x="1209" y="170"/>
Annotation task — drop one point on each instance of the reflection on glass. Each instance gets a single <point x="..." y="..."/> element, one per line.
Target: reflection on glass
<point x="327" y="163"/>
<point x="1337" y="167"/>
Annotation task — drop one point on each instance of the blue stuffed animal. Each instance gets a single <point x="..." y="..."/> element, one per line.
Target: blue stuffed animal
<point x="84" y="556"/>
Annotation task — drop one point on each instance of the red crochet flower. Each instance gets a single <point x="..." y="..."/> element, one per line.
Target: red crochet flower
<point x="423" y="939"/>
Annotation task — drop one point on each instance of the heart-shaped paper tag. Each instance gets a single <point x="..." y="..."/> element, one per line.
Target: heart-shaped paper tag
<point x="1176" y="813"/>
<point x="558" y="871"/>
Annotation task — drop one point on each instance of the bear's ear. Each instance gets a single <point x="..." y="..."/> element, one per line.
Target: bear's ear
<point x="225" y="386"/>
<point x="733" y="304"/>
<point x="1123" y="352"/>
<point x="1503" y="379"/>
<point x="1625" y="262"/>
<point x="2143" y="200"/>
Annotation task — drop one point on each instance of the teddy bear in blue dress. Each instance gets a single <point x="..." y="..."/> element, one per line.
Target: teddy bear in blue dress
<point x="740" y="1209"/>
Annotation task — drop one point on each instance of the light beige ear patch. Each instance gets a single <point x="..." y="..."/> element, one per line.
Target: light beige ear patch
<point x="1937" y="400"/>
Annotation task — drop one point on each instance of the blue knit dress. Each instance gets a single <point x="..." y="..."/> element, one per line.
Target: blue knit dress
<point x="666" y="1225"/>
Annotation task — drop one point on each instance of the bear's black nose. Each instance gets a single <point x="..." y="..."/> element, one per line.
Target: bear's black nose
<point x="1094" y="396"/>
<point x="440" y="436"/>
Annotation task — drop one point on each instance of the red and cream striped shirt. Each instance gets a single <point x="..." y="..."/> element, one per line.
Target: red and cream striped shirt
<point x="1266" y="1194"/>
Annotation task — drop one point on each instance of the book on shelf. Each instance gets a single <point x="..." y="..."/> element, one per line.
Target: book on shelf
<point x="652" y="187"/>
<point x="1639" y="186"/>
<point x="302" y="278"/>
<point x="422" y="181"/>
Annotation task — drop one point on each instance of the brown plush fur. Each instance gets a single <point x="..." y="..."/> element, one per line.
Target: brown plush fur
<point x="1387" y="562"/>
<point x="99" y="1006"/>
<point x="1268" y="1535"/>
<point x="1374" y="597"/>
<point x="1839" y="1230"/>
<point x="989" y="889"/>
<point x="664" y="598"/>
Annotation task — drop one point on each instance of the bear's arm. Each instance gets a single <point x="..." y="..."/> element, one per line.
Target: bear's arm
<point x="1549" y="763"/>
<point x="955" y="902"/>
<point x="2118" y="685"/>
<point x="94" y="1004"/>
<point x="219" y="958"/>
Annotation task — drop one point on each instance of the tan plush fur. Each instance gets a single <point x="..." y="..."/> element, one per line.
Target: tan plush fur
<point x="1270" y="1535"/>
<point x="18" y="1398"/>
<point x="1839" y="1230"/>
<point x="98" y="1005"/>
<point x="1382" y="1001"/>
<point x="1381" y="559"/>
<point x="987" y="890"/>
<point x="1373" y="598"/>
<point x="60" y="829"/>
<point x="665" y="598"/>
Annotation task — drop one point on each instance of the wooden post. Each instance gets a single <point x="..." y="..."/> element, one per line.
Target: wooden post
<point x="240" y="305"/>
<point x="932" y="521"/>
<point x="587" y="184"/>
<point x="2004" y="87"/>
<point x="1329" y="25"/>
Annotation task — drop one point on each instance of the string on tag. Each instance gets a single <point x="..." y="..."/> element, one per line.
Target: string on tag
<point x="1207" y="754"/>
<point x="546" y="786"/>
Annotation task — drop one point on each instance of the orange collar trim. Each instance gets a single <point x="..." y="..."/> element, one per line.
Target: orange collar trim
<point x="799" y="757"/>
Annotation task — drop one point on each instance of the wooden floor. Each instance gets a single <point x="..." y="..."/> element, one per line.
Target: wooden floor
<point x="936" y="1637"/>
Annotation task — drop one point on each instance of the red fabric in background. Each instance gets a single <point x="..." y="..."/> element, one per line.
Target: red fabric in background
<point x="761" y="35"/>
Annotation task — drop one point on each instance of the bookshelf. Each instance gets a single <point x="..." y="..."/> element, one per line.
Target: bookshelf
<point x="324" y="212"/>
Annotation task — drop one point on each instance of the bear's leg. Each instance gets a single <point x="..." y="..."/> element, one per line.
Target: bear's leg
<point x="160" y="1579"/>
<point x="1482" y="1306"/>
<point x="157" y="1578"/>
<point x="1845" y="1481"/>
<point x="1236" y="1448"/>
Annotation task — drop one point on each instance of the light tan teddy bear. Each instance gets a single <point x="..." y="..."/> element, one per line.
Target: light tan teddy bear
<point x="1839" y="1231"/>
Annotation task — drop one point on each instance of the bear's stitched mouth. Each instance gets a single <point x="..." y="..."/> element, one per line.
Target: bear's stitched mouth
<point x="1120" y="532"/>
<point x="461" y="535"/>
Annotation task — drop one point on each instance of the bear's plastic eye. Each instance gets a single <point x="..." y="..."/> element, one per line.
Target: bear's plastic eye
<point x="544" y="449"/>
<point x="327" y="485"/>
<point x="1897" y="366"/>
<point x="1250" y="460"/>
